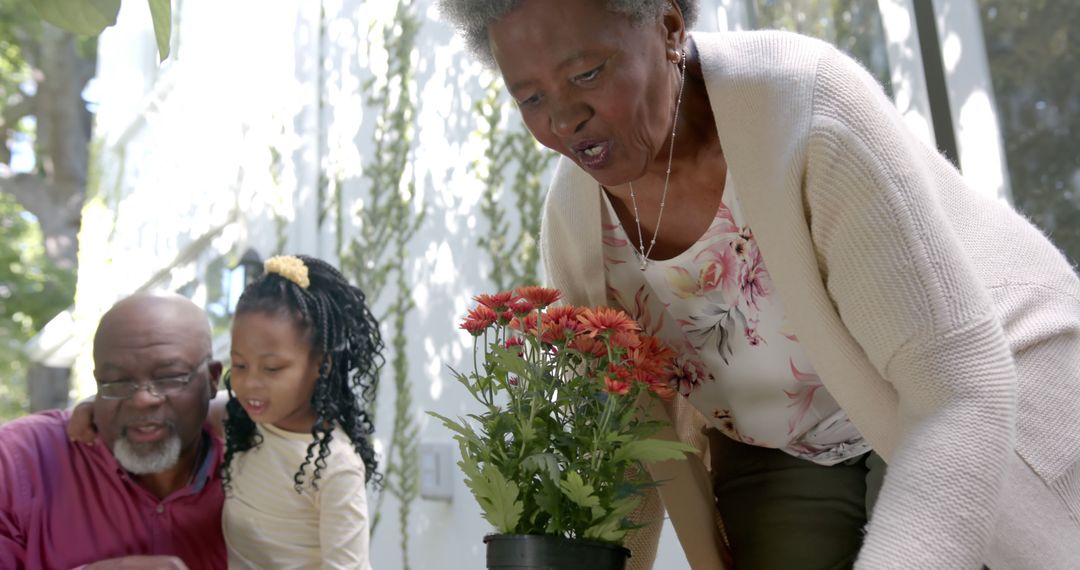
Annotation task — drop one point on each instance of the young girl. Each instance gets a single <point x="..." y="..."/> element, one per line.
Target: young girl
<point x="305" y="361"/>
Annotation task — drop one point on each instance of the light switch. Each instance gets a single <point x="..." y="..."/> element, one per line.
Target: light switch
<point x="437" y="471"/>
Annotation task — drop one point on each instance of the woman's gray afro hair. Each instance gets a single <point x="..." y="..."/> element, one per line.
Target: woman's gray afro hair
<point x="472" y="17"/>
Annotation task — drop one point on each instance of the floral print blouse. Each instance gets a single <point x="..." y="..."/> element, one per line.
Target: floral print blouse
<point x="739" y="362"/>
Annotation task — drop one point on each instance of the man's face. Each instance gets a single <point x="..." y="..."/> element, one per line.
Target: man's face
<point x="139" y="342"/>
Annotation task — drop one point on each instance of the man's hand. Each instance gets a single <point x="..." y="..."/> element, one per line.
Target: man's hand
<point x="80" y="427"/>
<point x="140" y="563"/>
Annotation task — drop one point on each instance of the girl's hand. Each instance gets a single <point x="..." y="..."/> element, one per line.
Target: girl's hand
<point x="80" y="427"/>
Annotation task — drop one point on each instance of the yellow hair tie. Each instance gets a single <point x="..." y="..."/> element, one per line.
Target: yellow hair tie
<point x="289" y="267"/>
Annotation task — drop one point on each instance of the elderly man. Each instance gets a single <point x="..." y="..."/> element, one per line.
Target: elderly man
<point x="148" y="495"/>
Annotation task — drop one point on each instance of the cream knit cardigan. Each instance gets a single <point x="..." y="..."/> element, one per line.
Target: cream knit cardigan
<point x="945" y="325"/>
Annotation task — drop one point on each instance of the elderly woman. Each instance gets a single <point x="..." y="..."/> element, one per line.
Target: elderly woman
<point x="837" y="294"/>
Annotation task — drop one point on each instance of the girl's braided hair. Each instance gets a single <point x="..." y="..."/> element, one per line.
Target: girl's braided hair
<point x="342" y="329"/>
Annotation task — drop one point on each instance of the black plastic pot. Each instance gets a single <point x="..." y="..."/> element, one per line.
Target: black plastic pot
<point x="539" y="552"/>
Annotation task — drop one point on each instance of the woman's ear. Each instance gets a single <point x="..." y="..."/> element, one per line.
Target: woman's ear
<point x="674" y="29"/>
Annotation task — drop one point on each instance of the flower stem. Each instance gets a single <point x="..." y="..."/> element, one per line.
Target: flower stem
<point x="601" y="428"/>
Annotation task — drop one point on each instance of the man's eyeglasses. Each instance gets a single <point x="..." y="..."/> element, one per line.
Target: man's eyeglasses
<point x="158" y="387"/>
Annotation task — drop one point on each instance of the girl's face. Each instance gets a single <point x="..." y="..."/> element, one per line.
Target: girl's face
<point x="274" y="370"/>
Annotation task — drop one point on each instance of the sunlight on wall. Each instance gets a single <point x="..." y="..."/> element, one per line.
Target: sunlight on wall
<point x="730" y="15"/>
<point x="434" y="369"/>
<point x="980" y="150"/>
<point x="951" y="50"/>
<point x="978" y="134"/>
<point x="908" y="78"/>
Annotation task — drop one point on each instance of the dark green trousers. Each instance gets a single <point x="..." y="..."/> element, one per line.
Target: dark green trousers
<point x="784" y="513"/>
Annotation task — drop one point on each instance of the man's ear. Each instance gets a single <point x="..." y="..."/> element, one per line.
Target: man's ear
<point x="215" y="367"/>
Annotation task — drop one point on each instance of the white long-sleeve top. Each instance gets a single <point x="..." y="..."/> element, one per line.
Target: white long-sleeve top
<point x="267" y="524"/>
<point x="944" y="324"/>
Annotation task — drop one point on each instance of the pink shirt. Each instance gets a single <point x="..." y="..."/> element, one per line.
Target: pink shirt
<point x="63" y="505"/>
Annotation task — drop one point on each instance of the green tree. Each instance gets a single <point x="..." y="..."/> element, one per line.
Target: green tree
<point x="1033" y="53"/>
<point x="32" y="290"/>
<point x="43" y="71"/>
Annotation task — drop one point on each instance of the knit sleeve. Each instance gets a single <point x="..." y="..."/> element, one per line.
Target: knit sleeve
<point x="553" y="232"/>
<point x="909" y="296"/>
<point x="570" y="236"/>
<point x="683" y="488"/>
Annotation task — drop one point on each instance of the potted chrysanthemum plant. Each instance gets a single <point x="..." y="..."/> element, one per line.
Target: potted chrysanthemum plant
<point x="551" y="453"/>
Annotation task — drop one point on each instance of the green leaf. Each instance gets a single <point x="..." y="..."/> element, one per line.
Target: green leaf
<point x="542" y="462"/>
<point x="460" y="428"/>
<point x="498" y="499"/>
<point x="652" y="450"/>
<point x="468" y="466"/>
<point x="611" y="528"/>
<point x="83" y="17"/>
<point x="578" y="491"/>
<point x="549" y="499"/>
<point x="161" y="12"/>
<point x="509" y="361"/>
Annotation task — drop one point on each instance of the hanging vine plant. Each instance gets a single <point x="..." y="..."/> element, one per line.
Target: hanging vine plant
<point x="515" y="258"/>
<point x="376" y="256"/>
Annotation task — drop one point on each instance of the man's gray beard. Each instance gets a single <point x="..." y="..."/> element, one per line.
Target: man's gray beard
<point x="147" y="458"/>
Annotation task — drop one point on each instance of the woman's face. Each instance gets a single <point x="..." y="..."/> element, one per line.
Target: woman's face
<point x="592" y="84"/>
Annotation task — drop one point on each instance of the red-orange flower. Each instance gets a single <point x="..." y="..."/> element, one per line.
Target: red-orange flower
<point x="497" y="302"/>
<point x="478" y="320"/>
<point x="525" y="324"/>
<point x="561" y="323"/>
<point x="522" y="307"/>
<point x="662" y="389"/>
<point x="482" y="313"/>
<point x="475" y="327"/>
<point x="603" y="319"/>
<point x="652" y="358"/>
<point x="653" y="362"/>
<point x="588" y="345"/>
<point x="617" y="380"/>
<point x="517" y="344"/>
<point x="563" y="313"/>
<point x="540" y="296"/>
<point x="626" y="340"/>
<point x="616" y="386"/>
<point x="555" y="333"/>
